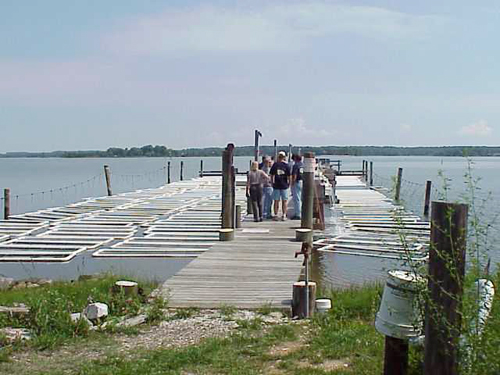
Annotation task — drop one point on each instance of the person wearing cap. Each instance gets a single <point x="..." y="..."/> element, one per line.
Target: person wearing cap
<point x="280" y="175"/>
<point x="255" y="180"/>
<point x="296" y="186"/>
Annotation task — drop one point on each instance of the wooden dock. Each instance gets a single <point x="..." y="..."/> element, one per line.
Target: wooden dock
<point x="258" y="268"/>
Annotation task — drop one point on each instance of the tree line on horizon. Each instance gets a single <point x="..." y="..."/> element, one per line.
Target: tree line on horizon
<point x="163" y="151"/>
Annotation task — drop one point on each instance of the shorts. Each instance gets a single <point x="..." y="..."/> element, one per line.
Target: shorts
<point x="280" y="194"/>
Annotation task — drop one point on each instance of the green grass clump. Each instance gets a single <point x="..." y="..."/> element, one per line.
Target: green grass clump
<point x="50" y="307"/>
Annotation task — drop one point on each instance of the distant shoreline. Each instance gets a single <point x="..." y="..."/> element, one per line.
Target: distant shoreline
<point x="162" y="151"/>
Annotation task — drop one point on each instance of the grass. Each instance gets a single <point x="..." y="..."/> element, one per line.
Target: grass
<point x="49" y="318"/>
<point x="343" y="341"/>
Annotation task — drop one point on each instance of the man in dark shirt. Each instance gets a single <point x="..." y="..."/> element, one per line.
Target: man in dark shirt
<point x="296" y="186"/>
<point x="280" y="175"/>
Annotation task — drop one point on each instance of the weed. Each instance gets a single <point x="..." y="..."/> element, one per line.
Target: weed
<point x="186" y="313"/>
<point x="265" y="309"/>
<point x="154" y="311"/>
<point x="227" y="310"/>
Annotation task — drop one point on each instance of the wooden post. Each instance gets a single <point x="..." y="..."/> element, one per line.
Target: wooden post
<point x="371" y="173"/>
<point x="363" y="168"/>
<point x="398" y="184"/>
<point x="256" y="146"/>
<point x="300" y="296"/>
<point x="168" y="173"/>
<point x="427" y="199"/>
<point x="6" y="203"/>
<point x="107" y="174"/>
<point x="226" y="234"/>
<point x="227" y="188"/>
<point x="275" y="150"/>
<point x="238" y="216"/>
<point x="445" y="284"/>
<point x="201" y="168"/>
<point x="308" y="191"/>
<point x="289" y="153"/>
<point x="182" y="170"/>
<point x="395" y="356"/>
<point x="233" y="194"/>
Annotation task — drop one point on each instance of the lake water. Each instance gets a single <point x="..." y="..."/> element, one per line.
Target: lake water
<point x="38" y="183"/>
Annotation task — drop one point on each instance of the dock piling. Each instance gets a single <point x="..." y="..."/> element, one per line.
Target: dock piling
<point x="6" y="203"/>
<point x="182" y="171"/>
<point x="256" y="146"/>
<point x="168" y="173"/>
<point x="445" y="285"/>
<point x="371" y="173"/>
<point x="201" y="168"/>
<point x="308" y="191"/>
<point x="398" y="185"/>
<point x="227" y="188"/>
<point x="275" y="150"/>
<point x="427" y="199"/>
<point x="107" y="174"/>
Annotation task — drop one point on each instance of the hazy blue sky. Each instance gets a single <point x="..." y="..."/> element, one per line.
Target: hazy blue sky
<point x="93" y="74"/>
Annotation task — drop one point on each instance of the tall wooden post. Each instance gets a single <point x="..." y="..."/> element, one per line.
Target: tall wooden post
<point x="371" y="173"/>
<point x="363" y="168"/>
<point x="182" y="170"/>
<point x="6" y="204"/>
<point x="445" y="284"/>
<point x="398" y="184"/>
<point x="275" y="150"/>
<point x="308" y="191"/>
<point x="289" y="153"/>
<point x="395" y="356"/>
<point x="427" y="199"/>
<point x="227" y="189"/>
<point x="256" y="150"/>
<point x="107" y="174"/>
<point x="237" y="221"/>
<point x="201" y="168"/>
<point x="168" y="173"/>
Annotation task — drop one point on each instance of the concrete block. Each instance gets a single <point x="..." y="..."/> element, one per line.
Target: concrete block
<point x="96" y="311"/>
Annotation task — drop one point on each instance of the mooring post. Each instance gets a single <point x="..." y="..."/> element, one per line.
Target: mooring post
<point x="427" y="199"/>
<point x="398" y="184"/>
<point x="182" y="170"/>
<point x="6" y="203"/>
<point x="201" y="168"/>
<point x="289" y="153"/>
<point x="233" y="194"/>
<point x="168" y="173"/>
<point x="256" y="150"/>
<point x="308" y="191"/>
<point x="227" y="189"/>
<point x="275" y="151"/>
<point x="238" y="216"/>
<point x="107" y="174"/>
<point x="371" y="173"/>
<point x="445" y="286"/>
<point x="395" y="356"/>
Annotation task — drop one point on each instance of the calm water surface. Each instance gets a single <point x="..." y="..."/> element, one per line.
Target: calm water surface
<point x="41" y="183"/>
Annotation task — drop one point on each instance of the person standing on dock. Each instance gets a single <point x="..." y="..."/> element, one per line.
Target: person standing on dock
<point x="296" y="186"/>
<point x="280" y="175"/>
<point x="256" y="178"/>
<point x="267" y="188"/>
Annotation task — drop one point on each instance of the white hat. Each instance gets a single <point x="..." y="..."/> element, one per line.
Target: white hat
<point x="282" y="153"/>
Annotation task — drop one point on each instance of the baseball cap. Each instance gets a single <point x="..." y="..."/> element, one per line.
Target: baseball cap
<point x="282" y="153"/>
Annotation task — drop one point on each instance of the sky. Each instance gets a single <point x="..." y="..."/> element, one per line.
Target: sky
<point x="88" y="75"/>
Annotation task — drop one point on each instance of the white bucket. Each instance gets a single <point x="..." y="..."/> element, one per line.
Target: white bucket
<point x="323" y="305"/>
<point x="397" y="316"/>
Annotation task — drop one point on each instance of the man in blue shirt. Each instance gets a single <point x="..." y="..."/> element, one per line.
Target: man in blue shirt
<point x="280" y="176"/>
<point x="296" y="186"/>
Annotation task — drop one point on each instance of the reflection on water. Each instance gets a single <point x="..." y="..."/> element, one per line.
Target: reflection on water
<point x="157" y="269"/>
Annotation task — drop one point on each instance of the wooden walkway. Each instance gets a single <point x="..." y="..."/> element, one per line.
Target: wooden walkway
<point x="258" y="268"/>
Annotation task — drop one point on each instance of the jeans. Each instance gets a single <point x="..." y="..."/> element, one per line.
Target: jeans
<point x="297" y="198"/>
<point x="268" y="201"/>
<point x="256" y="196"/>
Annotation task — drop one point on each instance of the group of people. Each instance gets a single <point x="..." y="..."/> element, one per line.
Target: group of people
<point x="270" y="181"/>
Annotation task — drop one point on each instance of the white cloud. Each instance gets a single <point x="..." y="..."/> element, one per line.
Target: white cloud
<point x="271" y="27"/>
<point x="477" y="129"/>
